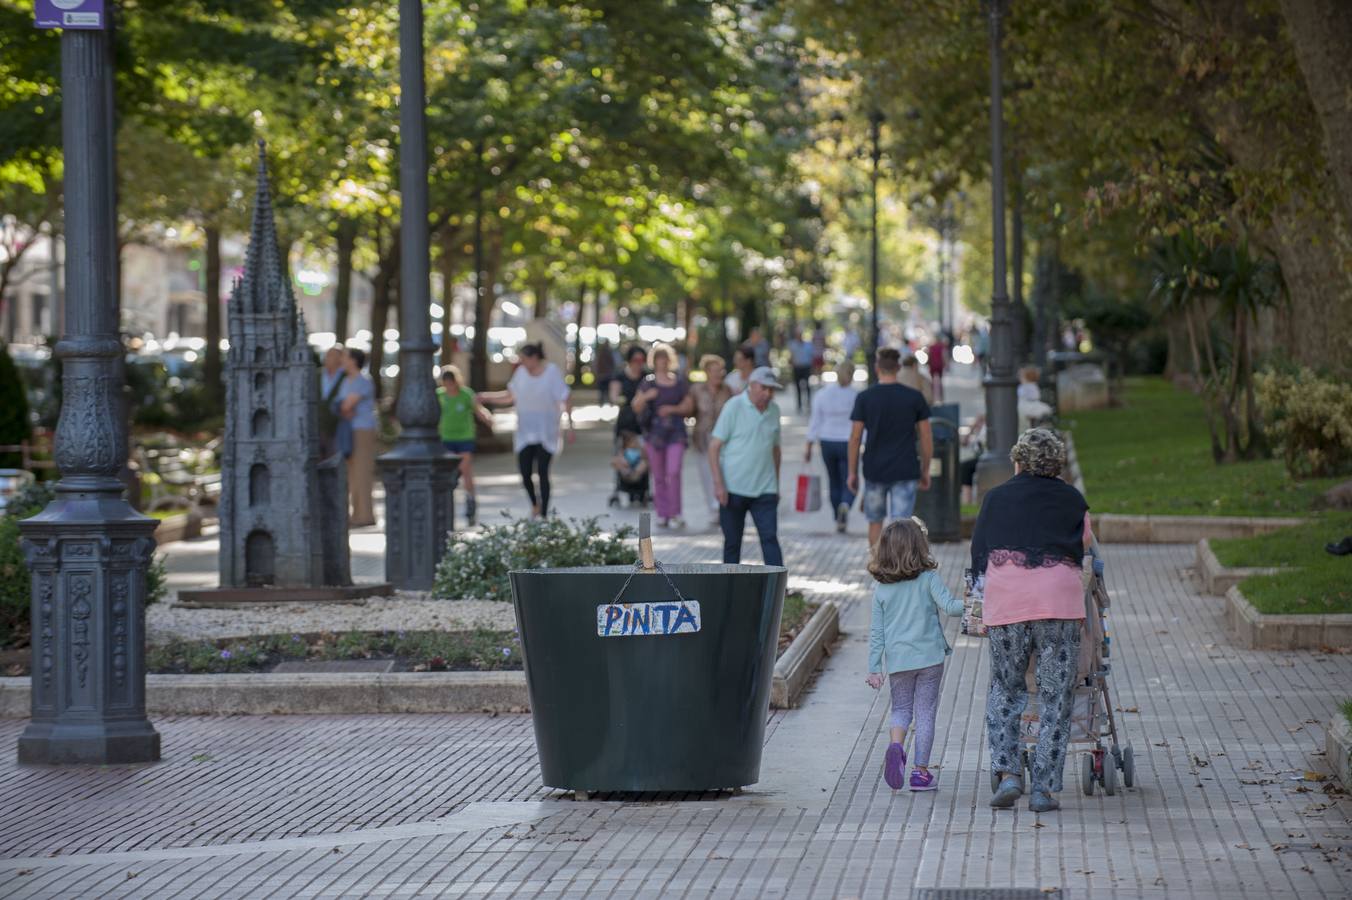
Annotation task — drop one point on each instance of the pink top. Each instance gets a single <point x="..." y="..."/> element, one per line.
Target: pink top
<point x="1015" y="594"/>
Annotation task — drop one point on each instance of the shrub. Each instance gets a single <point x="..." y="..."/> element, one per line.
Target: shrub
<point x="15" y="581"/>
<point x="1309" y="421"/>
<point x="475" y="566"/>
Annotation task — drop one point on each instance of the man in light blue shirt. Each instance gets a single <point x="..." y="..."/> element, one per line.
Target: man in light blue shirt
<point x="744" y="456"/>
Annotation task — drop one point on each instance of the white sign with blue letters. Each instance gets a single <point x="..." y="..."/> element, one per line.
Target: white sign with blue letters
<point x="631" y="619"/>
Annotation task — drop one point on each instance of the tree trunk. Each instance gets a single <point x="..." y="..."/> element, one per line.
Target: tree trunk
<point x="1321" y="32"/>
<point x="484" y="304"/>
<point x="447" y="264"/>
<point x="577" y="336"/>
<point x="1016" y="259"/>
<point x="539" y="287"/>
<point x="384" y="285"/>
<point x="342" y="292"/>
<point x="211" y="361"/>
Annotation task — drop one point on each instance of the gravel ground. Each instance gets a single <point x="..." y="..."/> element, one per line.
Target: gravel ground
<point x="406" y="612"/>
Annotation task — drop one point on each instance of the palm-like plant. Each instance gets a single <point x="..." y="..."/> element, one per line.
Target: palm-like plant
<point x="1230" y="285"/>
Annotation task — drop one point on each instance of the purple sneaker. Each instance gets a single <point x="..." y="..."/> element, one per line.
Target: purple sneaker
<point x="894" y="768"/>
<point x="923" y="781"/>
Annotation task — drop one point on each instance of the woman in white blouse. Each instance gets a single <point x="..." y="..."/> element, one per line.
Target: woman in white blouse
<point x="539" y="393"/>
<point x="830" y="426"/>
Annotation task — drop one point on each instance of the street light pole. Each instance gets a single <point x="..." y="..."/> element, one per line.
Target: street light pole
<point x="1002" y="414"/>
<point x="88" y="551"/>
<point x="875" y="121"/>
<point x="418" y="474"/>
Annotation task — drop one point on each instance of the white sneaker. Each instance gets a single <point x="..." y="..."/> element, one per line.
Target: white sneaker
<point x="676" y="522"/>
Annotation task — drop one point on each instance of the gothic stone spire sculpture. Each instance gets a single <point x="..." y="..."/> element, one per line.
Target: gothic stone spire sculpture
<point x="279" y="525"/>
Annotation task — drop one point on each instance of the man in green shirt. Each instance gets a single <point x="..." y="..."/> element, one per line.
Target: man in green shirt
<point x="744" y="456"/>
<point x="459" y="409"/>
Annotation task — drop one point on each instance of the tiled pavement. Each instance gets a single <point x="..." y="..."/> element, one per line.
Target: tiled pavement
<point x="452" y="806"/>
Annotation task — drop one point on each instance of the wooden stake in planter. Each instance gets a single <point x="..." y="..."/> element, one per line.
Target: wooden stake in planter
<point x="645" y="542"/>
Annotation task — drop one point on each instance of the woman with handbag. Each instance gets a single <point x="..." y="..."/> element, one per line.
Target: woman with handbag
<point x="662" y="403"/>
<point x="1029" y="541"/>
<point x="830" y="426"/>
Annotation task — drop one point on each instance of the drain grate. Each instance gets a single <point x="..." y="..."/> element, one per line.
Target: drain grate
<point x="988" y="893"/>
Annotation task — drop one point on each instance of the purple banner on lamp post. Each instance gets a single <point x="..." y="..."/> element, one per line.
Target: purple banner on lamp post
<point x="69" y="14"/>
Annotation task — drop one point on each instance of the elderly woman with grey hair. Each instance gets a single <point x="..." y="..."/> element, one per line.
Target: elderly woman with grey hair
<point x="1030" y="540"/>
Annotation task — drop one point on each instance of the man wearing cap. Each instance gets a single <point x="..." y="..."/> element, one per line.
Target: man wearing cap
<point x="744" y="456"/>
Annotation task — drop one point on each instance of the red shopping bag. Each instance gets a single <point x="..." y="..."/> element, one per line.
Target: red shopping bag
<point x="809" y="494"/>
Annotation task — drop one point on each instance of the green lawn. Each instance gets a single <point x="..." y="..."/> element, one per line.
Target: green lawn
<point x="1318" y="581"/>
<point x="1153" y="456"/>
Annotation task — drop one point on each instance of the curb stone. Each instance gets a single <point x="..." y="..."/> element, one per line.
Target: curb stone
<point x="1260" y="631"/>
<point x="794" y="668"/>
<point x="312" y="693"/>
<point x="1115" y="528"/>
<point x="1338" y="746"/>
<point x="1217" y="578"/>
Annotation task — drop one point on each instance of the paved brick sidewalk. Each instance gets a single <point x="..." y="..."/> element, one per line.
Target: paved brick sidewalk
<point x="398" y="806"/>
<point x="451" y="805"/>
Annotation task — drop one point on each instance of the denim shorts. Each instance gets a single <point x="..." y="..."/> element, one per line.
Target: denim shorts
<point x="459" y="446"/>
<point x="894" y="500"/>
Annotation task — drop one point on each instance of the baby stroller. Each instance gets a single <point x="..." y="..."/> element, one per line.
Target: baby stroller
<point x="1092" y="720"/>
<point x="635" y="487"/>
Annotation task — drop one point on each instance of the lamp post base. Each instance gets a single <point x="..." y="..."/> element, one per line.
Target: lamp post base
<point x="88" y="557"/>
<point x="419" y="479"/>
<point x="95" y="743"/>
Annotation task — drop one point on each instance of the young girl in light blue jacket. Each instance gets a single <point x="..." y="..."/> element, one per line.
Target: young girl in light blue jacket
<point x="906" y="634"/>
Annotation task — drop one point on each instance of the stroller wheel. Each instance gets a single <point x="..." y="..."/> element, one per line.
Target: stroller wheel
<point x="614" y="501"/>
<point x="1128" y="767"/>
<point x="1109" y="775"/>
<point x="1087" y="774"/>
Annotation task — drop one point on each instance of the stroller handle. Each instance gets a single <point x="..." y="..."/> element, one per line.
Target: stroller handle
<point x="1097" y="556"/>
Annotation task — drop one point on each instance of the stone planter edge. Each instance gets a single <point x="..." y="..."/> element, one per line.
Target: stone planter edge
<point x="1218" y="578"/>
<point x="1117" y="528"/>
<point x="794" y="668"/>
<point x="1338" y="747"/>
<point x="313" y="694"/>
<point x="1260" y="631"/>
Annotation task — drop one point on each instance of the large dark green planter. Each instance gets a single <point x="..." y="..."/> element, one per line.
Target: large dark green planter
<point x="649" y="712"/>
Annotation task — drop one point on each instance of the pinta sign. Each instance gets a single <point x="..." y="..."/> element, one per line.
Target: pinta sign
<point x="637" y="619"/>
<point x="69" y="14"/>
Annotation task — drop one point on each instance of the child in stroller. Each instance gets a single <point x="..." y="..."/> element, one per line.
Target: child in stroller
<point x="631" y="470"/>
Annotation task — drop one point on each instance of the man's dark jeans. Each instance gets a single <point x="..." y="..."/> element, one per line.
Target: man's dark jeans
<point x="765" y="513"/>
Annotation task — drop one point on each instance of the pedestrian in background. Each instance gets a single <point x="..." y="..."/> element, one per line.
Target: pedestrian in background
<point x="540" y="395"/>
<point x="743" y="364"/>
<point x="895" y="419"/>
<point x="830" y="426"/>
<point x="911" y="377"/>
<point x="710" y="396"/>
<point x="358" y="407"/>
<point x="625" y="386"/>
<point x="744" y="454"/>
<point x="801" y="354"/>
<point x="662" y="403"/>
<point x="459" y="411"/>
<point x="603" y="370"/>
<point x="906" y="641"/>
<point x="937" y="360"/>
<point x="331" y="377"/>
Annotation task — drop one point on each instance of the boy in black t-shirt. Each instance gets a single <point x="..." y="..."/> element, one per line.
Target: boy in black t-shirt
<point x="894" y="417"/>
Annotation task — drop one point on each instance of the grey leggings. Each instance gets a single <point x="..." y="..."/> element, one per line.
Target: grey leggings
<point x="916" y="691"/>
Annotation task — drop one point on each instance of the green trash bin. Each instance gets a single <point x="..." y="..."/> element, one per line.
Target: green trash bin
<point x="649" y="681"/>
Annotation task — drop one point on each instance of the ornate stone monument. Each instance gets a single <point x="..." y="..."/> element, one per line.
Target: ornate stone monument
<point x="283" y="510"/>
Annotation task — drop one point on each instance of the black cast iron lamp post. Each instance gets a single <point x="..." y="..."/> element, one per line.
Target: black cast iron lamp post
<point x="1002" y="412"/>
<point x="418" y="474"/>
<point x="88" y="551"/>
